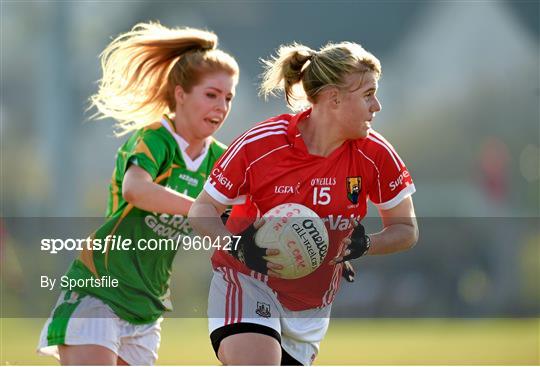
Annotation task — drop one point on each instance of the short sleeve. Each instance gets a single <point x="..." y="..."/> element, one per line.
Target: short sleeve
<point x="393" y="182"/>
<point x="228" y="182"/>
<point x="149" y="151"/>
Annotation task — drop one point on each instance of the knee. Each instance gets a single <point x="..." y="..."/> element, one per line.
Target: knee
<point x="250" y="349"/>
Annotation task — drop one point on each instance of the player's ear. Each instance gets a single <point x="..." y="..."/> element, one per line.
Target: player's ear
<point x="332" y="96"/>
<point x="179" y="94"/>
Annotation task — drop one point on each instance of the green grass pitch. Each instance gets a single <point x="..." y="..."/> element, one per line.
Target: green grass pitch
<point x="348" y="342"/>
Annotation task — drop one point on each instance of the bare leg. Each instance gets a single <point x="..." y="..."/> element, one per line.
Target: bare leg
<point x="87" y="355"/>
<point x="250" y="349"/>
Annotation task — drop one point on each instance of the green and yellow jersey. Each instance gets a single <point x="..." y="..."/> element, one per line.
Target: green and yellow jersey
<point x="143" y="275"/>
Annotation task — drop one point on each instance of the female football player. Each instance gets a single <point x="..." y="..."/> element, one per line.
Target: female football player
<point x="328" y="158"/>
<point x="161" y="168"/>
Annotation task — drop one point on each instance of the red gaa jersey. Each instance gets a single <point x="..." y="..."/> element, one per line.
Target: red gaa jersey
<point x="269" y="165"/>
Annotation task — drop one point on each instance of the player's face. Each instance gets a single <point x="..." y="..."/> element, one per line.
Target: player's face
<point x="358" y="105"/>
<point x="203" y="110"/>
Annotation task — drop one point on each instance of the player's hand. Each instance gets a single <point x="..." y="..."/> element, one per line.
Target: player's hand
<point x="348" y="272"/>
<point x="252" y="255"/>
<point x="356" y="246"/>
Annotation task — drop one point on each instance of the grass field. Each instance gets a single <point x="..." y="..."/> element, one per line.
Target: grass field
<point x="348" y="342"/>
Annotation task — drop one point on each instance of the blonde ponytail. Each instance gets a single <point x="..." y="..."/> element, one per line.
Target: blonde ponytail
<point x="316" y="70"/>
<point x="284" y="71"/>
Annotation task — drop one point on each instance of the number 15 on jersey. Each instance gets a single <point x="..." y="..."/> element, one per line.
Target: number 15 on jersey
<point x="321" y="195"/>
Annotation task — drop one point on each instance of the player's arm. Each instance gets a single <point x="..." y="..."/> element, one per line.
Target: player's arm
<point x="139" y="190"/>
<point x="400" y="229"/>
<point x="399" y="233"/>
<point x="205" y="218"/>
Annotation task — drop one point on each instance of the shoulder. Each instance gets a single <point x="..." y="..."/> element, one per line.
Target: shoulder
<point x="217" y="147"/>
<point x="153" y="126"/>
<point x="265" y="135"/>
<point x="268" y="126"/>
<point x="153" y="140"/>
<point x="380" y="153"/>
<point x="216" y="144"/>
<point x="157" y="133"/>
<point x="375" y="145"/>
<point x="260" y="141"/>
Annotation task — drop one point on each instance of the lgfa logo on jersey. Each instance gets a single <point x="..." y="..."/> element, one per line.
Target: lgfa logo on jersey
<point x="354" y="185"/>
<point x="287" y="189"/>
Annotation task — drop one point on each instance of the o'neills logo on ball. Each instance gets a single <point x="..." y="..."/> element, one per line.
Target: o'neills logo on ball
<point x="309" y="234"/>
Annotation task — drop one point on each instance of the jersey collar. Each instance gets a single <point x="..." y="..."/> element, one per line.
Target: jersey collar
<point x="295" y="137"/>
<point x="192" y="165"/>
<point x="293" y="134"/>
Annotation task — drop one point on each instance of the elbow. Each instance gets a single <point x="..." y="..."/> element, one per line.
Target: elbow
<point x="192" y="213"/>
<point x="195" y="219"/>
<point x="413" y="236"/>
<point x="129" y="193"/>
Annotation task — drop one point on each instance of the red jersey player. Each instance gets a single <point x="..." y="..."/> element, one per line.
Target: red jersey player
<point x="327" y="158"/>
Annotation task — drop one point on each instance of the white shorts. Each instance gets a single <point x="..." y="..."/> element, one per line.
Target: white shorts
<point x="236" y="298"/>
<point x="81" y="320"/>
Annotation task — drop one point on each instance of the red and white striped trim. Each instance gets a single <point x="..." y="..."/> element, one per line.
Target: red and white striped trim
<point x="256" y="127"/>
<point x="378" y="138"/>
<point x="330" y="294"/>
<point x="210" y="188"/>
<point x="258" y="132"/>
<point x="402" y="195"/>
<point x="233" y="297"/>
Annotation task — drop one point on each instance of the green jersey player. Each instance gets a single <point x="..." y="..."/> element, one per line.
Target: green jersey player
<point x="159" y="171"/>
<point x="157" y="149"/>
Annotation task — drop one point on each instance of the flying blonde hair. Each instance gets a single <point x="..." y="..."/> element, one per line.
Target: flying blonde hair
<point x="315" y="70"/>
<point x="142" y="67"/>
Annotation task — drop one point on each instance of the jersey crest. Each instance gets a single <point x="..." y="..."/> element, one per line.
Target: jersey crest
<point x="354" y="185"/>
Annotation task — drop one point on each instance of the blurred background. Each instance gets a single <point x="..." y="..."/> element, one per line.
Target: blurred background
<point x="460" y="93"/>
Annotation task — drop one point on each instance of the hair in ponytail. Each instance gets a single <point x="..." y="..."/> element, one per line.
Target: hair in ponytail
<point x="315" y="70"/>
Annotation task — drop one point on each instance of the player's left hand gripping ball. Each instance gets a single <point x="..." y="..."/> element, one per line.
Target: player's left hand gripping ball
<point x="348" y="272"/>
<point x="358" y="245"/>
<point x="252" y="255"/>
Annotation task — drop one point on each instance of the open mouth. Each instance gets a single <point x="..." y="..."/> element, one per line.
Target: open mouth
<point x="214" y="121"/>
